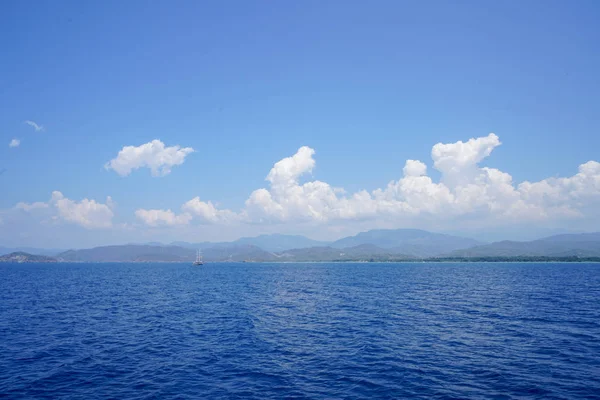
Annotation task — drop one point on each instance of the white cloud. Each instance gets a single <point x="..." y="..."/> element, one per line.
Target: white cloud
<point x="575" y="195"/>
<point x="414" y="168"/>
<point x="38" y="128"/>
<point x="466" y="197"/>
<point x="14" y="143"/>
<point x="87" y="213"/>
<point x="207" y="212"/>
<point x="466" y="192"/>
<point x="31" y="206"/>
<point x="153" y="155"/>
<point x="162" y="217"/>
<point x="458" y="161"/>
<point x="291" y="168"/>
<point x="204" y="212"/>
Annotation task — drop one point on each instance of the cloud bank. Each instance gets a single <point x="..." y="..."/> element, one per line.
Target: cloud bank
<point x="465" y="191"/>
<point x="467" y="196"/>
<point x="153" y="155"/>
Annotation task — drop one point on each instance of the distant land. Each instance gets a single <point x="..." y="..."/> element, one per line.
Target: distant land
<point x="31" y="250"/>
<point x="375" y="246"/>
<point x="272" y="243"/>
<point x="566" y="245"/>
<point x="412" y="242"/>
<point x="22" y="257"/>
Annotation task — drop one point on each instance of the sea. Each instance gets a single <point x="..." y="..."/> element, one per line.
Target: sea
<point x="300" y="331"/>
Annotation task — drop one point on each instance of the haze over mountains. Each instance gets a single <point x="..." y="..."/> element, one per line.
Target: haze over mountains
<point x="273" y="243"/>
<point x="30" y="250"/>
<point x="580" y="245"/>
<point x="374" y="245"/>
<point x="414" y="242"/>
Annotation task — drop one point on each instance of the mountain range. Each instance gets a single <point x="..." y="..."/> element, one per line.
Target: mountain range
<point x="374" y="245"/>
<point x="414" y="242"/>
<point x="566" y="245"/>
<point x="272" y="243"/>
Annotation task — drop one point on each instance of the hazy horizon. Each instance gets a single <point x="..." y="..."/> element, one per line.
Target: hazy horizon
<point x="481" y="238"/>
<point x="202" y="124"/>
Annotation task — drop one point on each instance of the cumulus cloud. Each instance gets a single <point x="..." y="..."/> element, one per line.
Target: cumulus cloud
<point x="38" y="128"/>
<point x="153" y="155"/>
<point x="287" y="198"/>
<point x="207" y="212"/>
<point x="578" y="195"/>
<point x="203" y="212"/>
<point x="14" y="143"/>
<point x="291" y="168"/>
<point x="87" y="213"/>
<point x="458" y="161"/>
<point x="162" y="217"/>
<point x="414" y="168"/>
<point x="465" y="191"/>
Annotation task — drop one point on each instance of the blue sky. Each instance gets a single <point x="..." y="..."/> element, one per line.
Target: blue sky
<point x="246" y="84"/>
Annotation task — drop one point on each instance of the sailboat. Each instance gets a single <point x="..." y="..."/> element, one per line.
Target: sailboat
<point x="198" y="258"/>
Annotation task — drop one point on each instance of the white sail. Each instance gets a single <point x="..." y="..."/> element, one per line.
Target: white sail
<point x="198" y="258"/>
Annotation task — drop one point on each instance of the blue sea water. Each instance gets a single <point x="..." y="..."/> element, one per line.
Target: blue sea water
<point x="274" y="331"/>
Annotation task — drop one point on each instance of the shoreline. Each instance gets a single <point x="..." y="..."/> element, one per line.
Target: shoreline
<point x="523" y="261"/>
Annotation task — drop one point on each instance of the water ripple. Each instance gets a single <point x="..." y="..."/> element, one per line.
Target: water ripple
<point x="272" y="331"/>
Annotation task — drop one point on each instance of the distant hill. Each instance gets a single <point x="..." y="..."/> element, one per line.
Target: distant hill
<point x="410" y="242"/>
<point x="317" y="253"/>
<point x="566" y="245"/>
<point x="128" y="253"/>
<point x="237" y="253"/>
<point x="272" y="243"/>
<point x="147" y="253"/>
<point x="31" y="250"/>
<point x="375" y="245"/>
<point x="572" y="237"/>
<point x="22" y="257"/>
<point x="364" y="252"/>
<point x="276" y="243"/>
<point x="232" y="252"/>
<point x="413" y="242"/>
